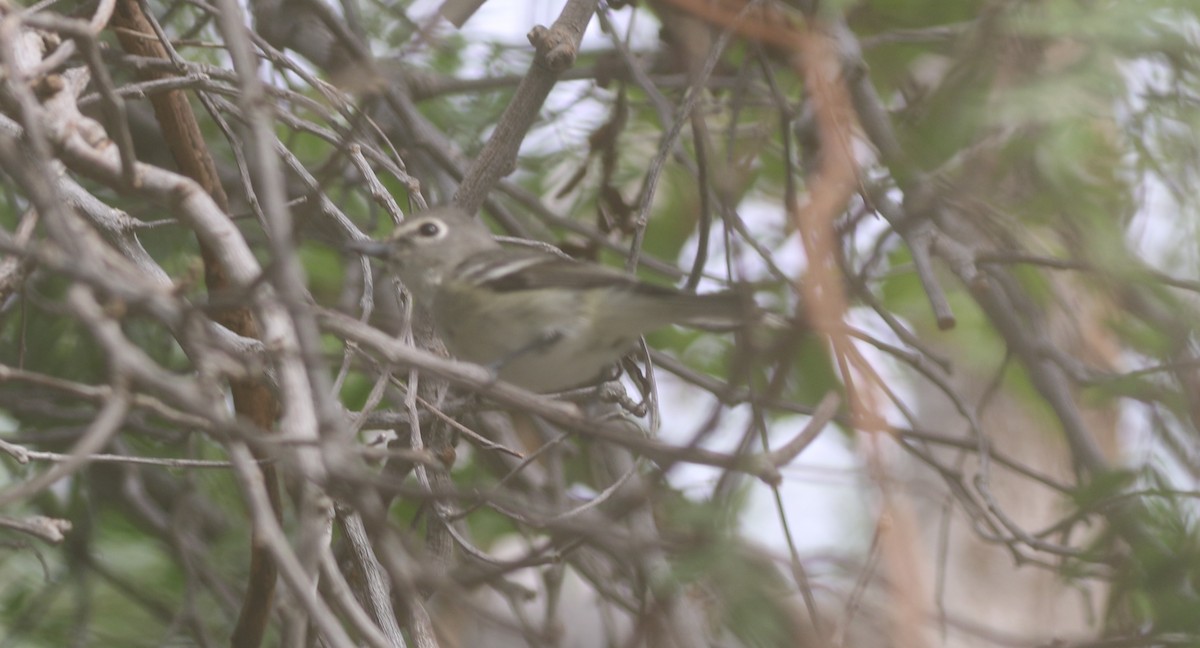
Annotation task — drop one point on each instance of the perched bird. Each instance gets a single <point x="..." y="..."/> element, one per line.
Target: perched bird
<point x="539" y="320"/>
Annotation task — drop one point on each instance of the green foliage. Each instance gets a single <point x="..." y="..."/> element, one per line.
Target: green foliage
<point x="741" y="591"/>
<point x="324" y="267"/>
<point x="875" y="16"/>
<point x="489" y="526"/>
<point x="356" y="389"/>
<point x="50" y="343"/>
<point x="976" y="345"/>
<point x="1158" y="584"/>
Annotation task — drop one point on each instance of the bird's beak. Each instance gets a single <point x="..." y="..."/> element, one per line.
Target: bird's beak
<point x="369" y="248"/>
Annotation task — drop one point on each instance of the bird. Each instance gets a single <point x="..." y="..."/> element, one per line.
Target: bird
<point x="542" y="321"/>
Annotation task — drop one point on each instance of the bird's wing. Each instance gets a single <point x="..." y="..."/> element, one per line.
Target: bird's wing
<point x="506" y="270"/>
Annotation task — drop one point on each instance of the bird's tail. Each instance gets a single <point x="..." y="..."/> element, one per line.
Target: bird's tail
<point x="723" y="311"/>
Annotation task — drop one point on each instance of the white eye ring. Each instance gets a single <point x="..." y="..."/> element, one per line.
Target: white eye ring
<point x="429" y="229"/>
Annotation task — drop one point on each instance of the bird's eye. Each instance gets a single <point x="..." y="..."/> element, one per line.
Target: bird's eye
<point x="429" y="230"/>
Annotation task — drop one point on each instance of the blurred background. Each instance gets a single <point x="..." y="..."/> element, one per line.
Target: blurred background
<point x="973" y="418"/>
